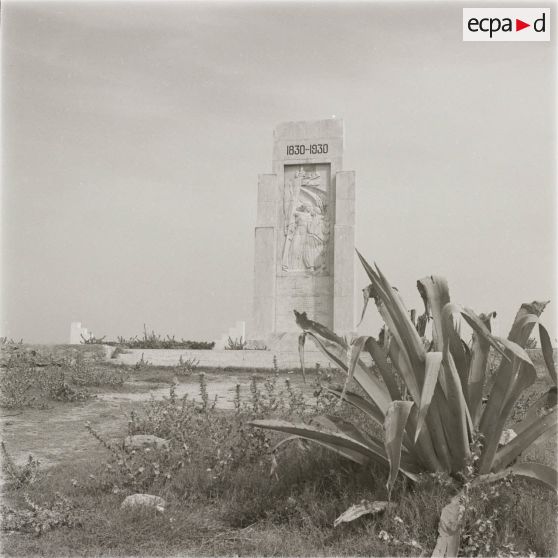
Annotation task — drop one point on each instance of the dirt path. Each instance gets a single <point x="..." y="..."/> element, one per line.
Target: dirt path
<point x="58" y="432"/>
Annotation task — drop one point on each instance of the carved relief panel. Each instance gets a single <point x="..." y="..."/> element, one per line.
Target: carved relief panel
<point x="306" y="219"/>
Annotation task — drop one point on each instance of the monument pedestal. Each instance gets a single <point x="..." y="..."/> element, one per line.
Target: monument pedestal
<point x="304" y="237"/>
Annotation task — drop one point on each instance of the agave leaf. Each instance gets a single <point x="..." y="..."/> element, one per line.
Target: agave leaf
<point x="332" y="440"/>
<point x="521" y="375"/>
<point x="461" y="357"/>
<point x="479" y="327"/>
<point x="355" y="348"/>
<point x="466" y="351"/>
<point x="408" y="332"/>
<point x="402" y="364"/>
<point x="524" y="319"/>
<point x="358" y="510"/>
<point x="432" y="369"/>
<point x="396" y="318"/>
<point x="544" y="403"/>
<point x="359" y="402"/>
<point x="329" y="354"/>
<point x="515" y="349"/>
<point x="512" y="450"/>
<point x="526" y="377"/>
<point x="369" y="408"/>
<point x="545" y="436"/>
<point x="283" y="442"/>
<point x="455" y="417"/>
<point x="301" y="340"/>
<point x="376" y="289"/>
<point x="396" y="419"/>
<point x="336" y="424"/>
<point x="449" y="528"/>
<point x="362" y="375"/>
<point x="507" y="371"/>
<point x="447" y="324"/>
<point x="349" y="454"/>
<point x="538" y="471"/>
<point x="548" y="353"/>
<point x="424" y="448"/>
<point x="477" y="371"/>
<point x="380" y="359"/>
<point x="436" y="428"/>
<point x="366" y="294"/>
<point x="331" y="436"/>
<point x="523" y="323"/>
<point x="310" y="325"/>
<point x="435" y="295"/>
<point x="405" y="369"/>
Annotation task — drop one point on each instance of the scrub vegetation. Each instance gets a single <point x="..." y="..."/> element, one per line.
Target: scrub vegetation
<point x="410" y="445"/>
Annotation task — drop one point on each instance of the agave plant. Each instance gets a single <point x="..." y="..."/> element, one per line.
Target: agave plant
<point x="433" y="398"/>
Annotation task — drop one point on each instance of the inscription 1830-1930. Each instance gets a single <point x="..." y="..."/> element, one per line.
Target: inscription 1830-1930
<point x="310" y="149"/>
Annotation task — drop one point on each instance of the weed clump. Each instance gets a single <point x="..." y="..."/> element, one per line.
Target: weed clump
<point x="19" y="475"/>
<point x="27" y="382"/>
<point x="155" y="341"/>
<point x="38" y="519"/>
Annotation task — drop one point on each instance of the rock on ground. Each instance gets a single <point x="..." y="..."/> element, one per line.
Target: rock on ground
<point x="143" y="500"/>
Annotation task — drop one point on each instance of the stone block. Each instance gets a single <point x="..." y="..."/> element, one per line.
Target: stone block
<point x="345" y="186"/>
<point x="267" y="201"/>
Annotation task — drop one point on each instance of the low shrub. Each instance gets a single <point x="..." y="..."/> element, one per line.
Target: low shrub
<point x="27" y="382"/>
<point x="19" y="476"/>
<point x="38" y="518"/>
<point x="205" y="445"/>
<point x="155" y="341"/>
<point x="141" y="363"/>
<point x="17" y="381"/>
<point x="237" y="344"/>
<point x="186" y="367"/>
<point x="84" y="373"/>
<point x="200" y="438"/>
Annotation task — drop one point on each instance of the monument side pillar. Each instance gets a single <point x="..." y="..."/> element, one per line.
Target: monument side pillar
<point x="265" y="257"/>
<point x="344" y="254"/>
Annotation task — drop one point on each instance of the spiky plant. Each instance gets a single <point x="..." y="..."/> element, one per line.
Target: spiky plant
<point x="428" y="397"/>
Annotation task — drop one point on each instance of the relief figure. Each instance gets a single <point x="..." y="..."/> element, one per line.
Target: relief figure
<point x="306" y="224"/>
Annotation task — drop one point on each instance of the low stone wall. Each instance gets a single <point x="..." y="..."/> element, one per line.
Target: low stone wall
<point x="222" y="359"/>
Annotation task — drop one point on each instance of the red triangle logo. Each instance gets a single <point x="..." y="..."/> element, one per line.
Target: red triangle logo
<point x="519" y="25"/>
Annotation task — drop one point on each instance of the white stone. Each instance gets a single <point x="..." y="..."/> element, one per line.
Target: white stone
<point x="144" y="501"/>
<point x="507" y="436"/>
<point x="78" y="333"/>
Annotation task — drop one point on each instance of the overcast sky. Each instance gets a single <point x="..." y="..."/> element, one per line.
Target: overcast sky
<point x="133" y="134"/>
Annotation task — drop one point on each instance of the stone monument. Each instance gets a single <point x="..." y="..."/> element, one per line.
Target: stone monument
<point x="304" y="253"/>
